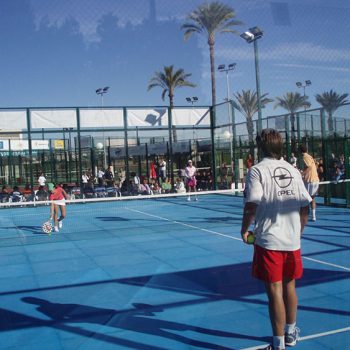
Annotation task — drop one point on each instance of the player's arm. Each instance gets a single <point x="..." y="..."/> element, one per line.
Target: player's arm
<point x="304" y="215"/>
<point x="248" y="218"/>
<point x="65" y="194"/>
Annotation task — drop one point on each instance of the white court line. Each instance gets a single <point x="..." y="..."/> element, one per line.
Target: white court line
<point x="228" y="236"/>
<point x="307" y="337"/>
<point x="326" y="263"/>
<point x="183" y="224"/>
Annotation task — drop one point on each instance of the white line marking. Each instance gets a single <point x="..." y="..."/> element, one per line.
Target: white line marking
<point x="187" y="225"/>
<point x="228" y="236"/>
<point x="307" y="337"/>
<point x="323" y="334"/>
<point x="326" y="263"/>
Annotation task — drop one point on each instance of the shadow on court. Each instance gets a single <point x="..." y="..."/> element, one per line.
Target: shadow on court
<point x="230" y="282"/>
<point x="140" y="319"/>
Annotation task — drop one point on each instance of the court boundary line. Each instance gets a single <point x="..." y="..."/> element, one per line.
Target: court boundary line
<point x="307" y="337"/>
<point x="228" y="236"/>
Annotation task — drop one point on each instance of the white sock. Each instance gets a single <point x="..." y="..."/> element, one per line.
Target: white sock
<point x="278" y="342"/>
<point x="290" y="328"/>
<point x="313" y="213"/>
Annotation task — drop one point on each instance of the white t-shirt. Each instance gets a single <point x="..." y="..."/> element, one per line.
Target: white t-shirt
<point x="278" y="189"/>
<point x="162" y="165"/>
<point x="42" y="180"/>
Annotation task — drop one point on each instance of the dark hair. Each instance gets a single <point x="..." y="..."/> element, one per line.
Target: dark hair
<point x="302" y="149"/>
<point x="270" y="142"/>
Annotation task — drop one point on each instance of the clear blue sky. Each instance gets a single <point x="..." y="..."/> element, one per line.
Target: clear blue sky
<point x="58" y="52"/>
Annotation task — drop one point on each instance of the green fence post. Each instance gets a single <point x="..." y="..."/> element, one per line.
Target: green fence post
<point x="170" y="160"/>
<point x="347" y="169"/>
<point x="288" y="145"/>
<point x="213" y="151"/>
<point x="234" y="161"/>
<point x="79" y="149"/>
<point x="30" y="148"/>
<point x="325" y="155"/>
<point x="126" y="145"/>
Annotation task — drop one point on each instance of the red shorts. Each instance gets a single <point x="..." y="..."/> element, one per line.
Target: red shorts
<point x="275" y="265"/>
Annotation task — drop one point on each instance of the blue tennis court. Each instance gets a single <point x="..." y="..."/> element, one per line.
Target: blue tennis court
<point x="160" y="274"/>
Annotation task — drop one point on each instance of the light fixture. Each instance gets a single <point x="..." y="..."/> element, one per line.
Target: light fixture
<point x="101" y="92"/>
<point x="251" y="36"/>
<point x="192" y="99"/>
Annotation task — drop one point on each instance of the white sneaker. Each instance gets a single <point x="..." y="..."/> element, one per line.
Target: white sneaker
<point x="60" y="224"/>
<point x="196" y="199"/>
<point x="188" y="199"/>
<point x="56" y="229"/>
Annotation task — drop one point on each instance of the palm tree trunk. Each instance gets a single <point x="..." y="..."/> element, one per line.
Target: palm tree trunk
<point x="212" y="70"/>
<point x="330" y="122"/>
<point x="250" y="129"/>
<point x="171" y="98"/>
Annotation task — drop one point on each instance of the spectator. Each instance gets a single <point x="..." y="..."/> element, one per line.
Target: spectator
<point x="166" y="186"/>
<point x="310" y="177"/>
<point x="180" y="186"/>
<point x="153" y="172"/>
<point x="85" y="180"/>
<point x="223" y="171"/>
<point x="162" y="169"/>
<point x="16" y="196"/>
<point x="42" y="179"/>
<point x="156" y="189"/>
<point x="224" y="184"/>
<point x="109" y="177"/>
<point x="145" y="188"/>
<point x="5" y="194"/>
<point x="100" y="177"/>
<point x="28" y="193"/>
<point x="41" y="194"/>
<point x="249" y="161"/>
<point x="320" y="170"/>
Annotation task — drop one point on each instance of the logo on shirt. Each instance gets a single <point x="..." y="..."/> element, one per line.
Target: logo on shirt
<point x="282" y="177"/>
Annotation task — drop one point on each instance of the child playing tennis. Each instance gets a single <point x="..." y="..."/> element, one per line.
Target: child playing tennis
<point x="58" y="196"/>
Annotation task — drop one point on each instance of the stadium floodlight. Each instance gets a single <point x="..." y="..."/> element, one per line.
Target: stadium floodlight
<point x="301" y="85"/>
<point x="251" y="36"/>
<point x="101" y="92"/>
<point x="222" y="68"/>
<point x="192" y="99"/>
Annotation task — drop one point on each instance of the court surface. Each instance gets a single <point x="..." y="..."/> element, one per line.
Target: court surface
<point x="167" y="274"/>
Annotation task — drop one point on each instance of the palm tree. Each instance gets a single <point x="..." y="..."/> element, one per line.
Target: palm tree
<point x="169" y="80"/>
<point x="292" y="102"/>
<point x="247" y="103"/>
<point x="331" y="101"/>
<point x="209" y="19"/>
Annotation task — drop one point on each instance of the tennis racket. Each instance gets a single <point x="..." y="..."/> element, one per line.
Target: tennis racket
<point x="47" y="227"/>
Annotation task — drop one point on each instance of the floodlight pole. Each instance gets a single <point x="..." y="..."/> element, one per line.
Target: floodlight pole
<point x="222" y="68"/>
<point x="257" y="78"/>
<point x="301" y="85"/>
<point x="252" y="35"/>
<point x="193" y="100"/>
<point x="101" y="92"/>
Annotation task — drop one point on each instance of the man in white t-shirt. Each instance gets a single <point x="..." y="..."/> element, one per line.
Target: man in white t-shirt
<point x="42" y="180"/>
<point x="277" y="201"/>
<point x="162" y="169"/>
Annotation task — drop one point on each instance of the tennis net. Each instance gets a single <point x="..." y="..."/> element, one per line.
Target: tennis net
<point x="22" y="221"/>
